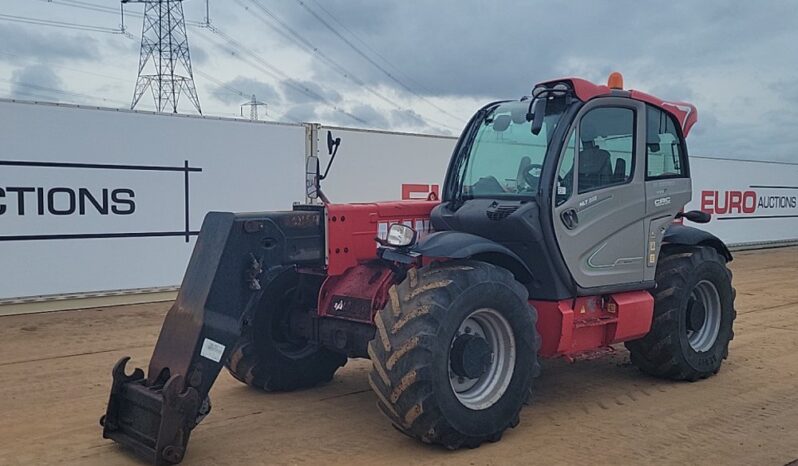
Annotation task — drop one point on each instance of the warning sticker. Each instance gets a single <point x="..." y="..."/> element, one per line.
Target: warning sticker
<point x="212" y="350"/>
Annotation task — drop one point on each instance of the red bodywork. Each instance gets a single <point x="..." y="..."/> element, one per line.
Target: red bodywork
<point x="578" y="327"/>
<point x="357" y="284"/>
<point x="352" y="229"/>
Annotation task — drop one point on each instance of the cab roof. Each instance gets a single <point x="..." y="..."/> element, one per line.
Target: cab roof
<point x="685" y="113"/>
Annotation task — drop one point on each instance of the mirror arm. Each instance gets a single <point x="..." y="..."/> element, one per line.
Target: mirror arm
<point x="538" y="112"/>
<point x="333" y="146"/>
<point x="323" y="198"/>
<point x="329" y="164"/>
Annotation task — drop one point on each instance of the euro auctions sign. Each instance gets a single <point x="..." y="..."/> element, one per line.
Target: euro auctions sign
<point x="760" y="201"/>
<point x="750" y="201"/>
<point x="66" y="200"/>
<point x="101" y="200"/>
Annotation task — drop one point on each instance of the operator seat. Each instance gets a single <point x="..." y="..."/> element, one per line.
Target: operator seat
<point x="595" y="168"/>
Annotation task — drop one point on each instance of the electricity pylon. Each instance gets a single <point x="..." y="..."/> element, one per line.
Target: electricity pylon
<point x="165" y="61"/>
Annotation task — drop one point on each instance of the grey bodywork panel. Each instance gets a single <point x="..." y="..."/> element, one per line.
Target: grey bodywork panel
<point x="619" y="227"/>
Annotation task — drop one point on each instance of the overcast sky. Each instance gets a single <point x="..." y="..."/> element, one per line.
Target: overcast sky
<point x="428" y="65"/>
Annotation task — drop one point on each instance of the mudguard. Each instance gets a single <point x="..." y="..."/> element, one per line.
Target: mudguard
<point x="460" y="245"/>
<point x="689" y="236"/>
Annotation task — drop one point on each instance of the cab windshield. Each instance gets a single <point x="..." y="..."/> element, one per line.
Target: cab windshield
<point x="504" y="157"/>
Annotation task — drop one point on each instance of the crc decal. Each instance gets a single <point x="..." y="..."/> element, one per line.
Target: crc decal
<point x="754" y="202"/>
<point x="65" y="200"/>
<point x="663" y="201"/>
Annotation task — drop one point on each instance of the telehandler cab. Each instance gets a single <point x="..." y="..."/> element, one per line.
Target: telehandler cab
<point x="555" y="236"/>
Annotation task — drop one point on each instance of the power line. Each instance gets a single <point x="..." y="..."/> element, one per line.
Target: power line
<point x="369" y="47"/>
<point x="58" y="24"/>
<point x="60" y="91"/>
<point x="222" y="84"/>
<point x="105" y="9"/>
<point x="237" y="48"/>
<point x="292" y="35"/>
<point x="52" y="65"/>
<point x="233" y="90"/>
<point x="83" y="5"/>
<point x="370" y="60"/>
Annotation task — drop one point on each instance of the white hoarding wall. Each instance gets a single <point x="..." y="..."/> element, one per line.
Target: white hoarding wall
<point x="381" y="166"/>
<point x="750" y="201"/>
<point x="95" y="200"/>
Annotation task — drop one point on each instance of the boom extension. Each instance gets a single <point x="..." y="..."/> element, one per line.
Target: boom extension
<point x="235" y="257"/>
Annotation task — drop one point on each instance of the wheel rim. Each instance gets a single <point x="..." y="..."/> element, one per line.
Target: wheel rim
<point x="484" y="390"/>
<point x="279" y="328"/>
<point x="703" y="316"/>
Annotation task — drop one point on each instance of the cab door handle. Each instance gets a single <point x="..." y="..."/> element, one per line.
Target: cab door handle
<point x="570" y="218"/>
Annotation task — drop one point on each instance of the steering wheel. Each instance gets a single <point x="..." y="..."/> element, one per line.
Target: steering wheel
<point x="533" y="181"/>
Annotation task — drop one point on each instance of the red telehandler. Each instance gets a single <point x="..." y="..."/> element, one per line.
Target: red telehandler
<point x="554" y="237"/>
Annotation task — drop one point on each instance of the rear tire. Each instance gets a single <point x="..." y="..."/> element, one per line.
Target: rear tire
<point x="693" y="316"/>
<point x="268" y="358"/>
<point x="459" y="317"/>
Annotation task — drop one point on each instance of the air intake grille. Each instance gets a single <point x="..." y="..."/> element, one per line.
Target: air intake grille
<point x="498" y="212"/>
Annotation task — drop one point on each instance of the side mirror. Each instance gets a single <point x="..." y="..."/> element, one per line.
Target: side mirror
<point x="312" y="177"/>
<point x="539" y="109"/>
<point x="696" y="216"/>
<point x="501" y="123"/>
<point x="332" y="149"/>
<point x="332" y="144"/>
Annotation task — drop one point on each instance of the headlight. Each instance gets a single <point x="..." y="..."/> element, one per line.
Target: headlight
<point x="400" y="235"/>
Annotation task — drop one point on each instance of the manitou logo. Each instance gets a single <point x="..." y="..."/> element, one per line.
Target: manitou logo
<point x="746" y="202"/>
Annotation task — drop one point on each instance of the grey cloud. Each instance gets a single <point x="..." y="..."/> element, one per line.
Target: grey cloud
<point x="36" y="81"/>
<point x="702" y="52"/>
<point x="21" y="44"/>
<point x="264" y="92"/>
<point x="199" y="56"/>
<point x="302" y="113"/>
<point x="338" y="118"/>
<point x="483" y="49"/>
<point x="301" y="92"/>
<point x="407" y="118"/>
<point x="373" y="118"/>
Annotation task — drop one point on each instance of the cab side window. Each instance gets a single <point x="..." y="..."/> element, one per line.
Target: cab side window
<point x="606" y="148"/>
<point x="565" y="176"/>
<point x="664" y="151"/>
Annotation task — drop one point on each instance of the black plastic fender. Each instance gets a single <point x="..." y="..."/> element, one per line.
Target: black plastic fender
<point x="460" y="245"/>
<point x="689" y="236"/>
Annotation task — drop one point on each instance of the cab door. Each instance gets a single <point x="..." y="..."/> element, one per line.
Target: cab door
<point x="600" y="195"/>
<point x="667" y="178"/>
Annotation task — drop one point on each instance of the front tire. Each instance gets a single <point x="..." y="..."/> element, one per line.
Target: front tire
<point x="267" y="357"/>
<point x="455" y="353"/>
<point x="693" y="316"/>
